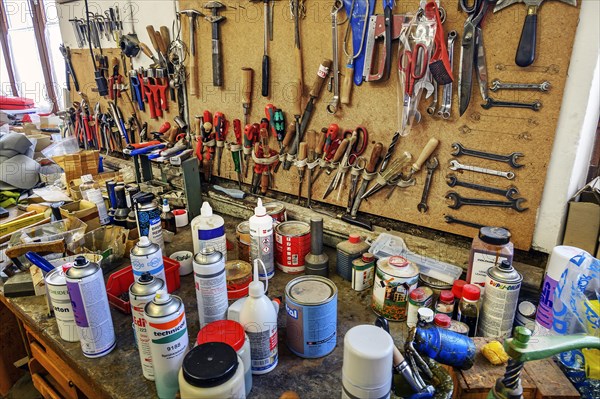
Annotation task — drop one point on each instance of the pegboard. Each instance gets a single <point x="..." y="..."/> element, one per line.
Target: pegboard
<point x="498" y="130"/>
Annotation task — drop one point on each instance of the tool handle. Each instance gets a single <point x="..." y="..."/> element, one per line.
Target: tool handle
<point x="526" y="50"/>
<point x="162" y="46"/>
<point x="289" y="136"/>
<point x="247" y="85"/>
<point x="266" y="66"/>
<point x="198" y="126"/>
<point x="375" y="157"/>
<point x="320" y="139"/>
<point x="302" y="151"/>
<point x="320" y="79"/>
<point x="346" y="89"/>
<point x="146" y="50"/>
<point x="298" y="56"/>
<point x="339" y="153"/>
<point x="427" y="151"/>
<point x="297" y="110"/>
<point x="152" y="35"/>
<point x="166" y="35"/>
<point x="311" y="137"/>
<point x="194" y="78"/>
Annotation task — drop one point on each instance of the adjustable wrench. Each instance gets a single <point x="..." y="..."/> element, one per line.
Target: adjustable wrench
<point x="455" y="165"/>
<point x="509" y="193"/>
<point x="455" y="201"/>
<point x="510" y="159"/>
<point x="446" y="108"/>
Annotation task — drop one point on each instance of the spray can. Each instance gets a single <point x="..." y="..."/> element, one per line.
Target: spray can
<point x="261" y="240"/>
<point x="445" y="346"/>
<point x="211" y="286"/>
<point x="148" y="220"/>
<point x="85" y="283"/>
<point x="208" y="230"/>
<point x="500" y="301"/>
<point x="147" y="257"/>
<point x="167" y="329"/>
<point x="140" y="293"/>
<point x="90" y="191"/>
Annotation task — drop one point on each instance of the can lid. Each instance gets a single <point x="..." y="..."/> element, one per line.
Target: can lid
<point x="494" y="235"/>
<point x="398" y="261"/>
<point x="354" y="238"/>
<point x="207" y="256"/>
<point x="457" y="288"/>
<point x="210" y="364"/>
<point x="527" y="309"/>
<point x="442" y="320"/>
<point x="227" y="331"/>
<point x="368" y="257"/>
<point x="446" y="296"/>
<point x="425" y="315"/>
<point x="417" y="294"/>
<point x="471" y="292"/>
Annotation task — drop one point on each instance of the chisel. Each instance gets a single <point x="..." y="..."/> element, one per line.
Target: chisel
<point x="366" y="177"/>
<point x="301" y="166"/>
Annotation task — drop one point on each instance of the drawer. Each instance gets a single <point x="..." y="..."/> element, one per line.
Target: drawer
<point x="44" y="387"/>
<point x="51" y="374"/>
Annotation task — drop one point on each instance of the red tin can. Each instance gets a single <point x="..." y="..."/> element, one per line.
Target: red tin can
<point x="292" y="244"/>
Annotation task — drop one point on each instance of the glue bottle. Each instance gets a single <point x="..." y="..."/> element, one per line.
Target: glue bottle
<point x="208" y="230"/>
<point x="259" y="318"/>
<point x="261" y="239"/>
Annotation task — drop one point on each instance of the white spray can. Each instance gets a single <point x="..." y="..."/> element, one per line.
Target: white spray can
<point x="208" y="230"/>
<point x="211" y="286"/>
<point x="261" y="240"/>
<point x="169" y="341"/>
<point x="146" y="257"/>
<point x="259" y="318"/>
<point x="141" y="292"/>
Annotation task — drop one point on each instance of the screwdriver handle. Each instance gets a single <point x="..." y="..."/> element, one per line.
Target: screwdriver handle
<point x="289" y="137"/>
<point x="297" y="110"/>
<point x="339" y="153"/>
<point x="247" y="85"/>
<point x="166" y="35"/>
<point x="311" y="137"/>
<point x="265" y="75"/>
<point x="320" y="139"/>
<point x="346" y="89"/>
<point x="302" y="151"/>
<point x="375" y="157"/>
<point x="427" y="151"/>
<point x="146" y="50"/>
<point x="321" y="77"/>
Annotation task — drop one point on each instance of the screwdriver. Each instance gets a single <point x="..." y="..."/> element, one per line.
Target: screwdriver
<point x="289" y="137"/>
<point x="266" y="152"/>
<point x="311" y="138"/>
<point x="220" y="124"/>
<point x="249" y="138"/>
<point x="301" y="159"/>
<point x="257" y="169"/>
<point x="366" y="177"/>
<point x="247" y="74"/>
<point x="236" y="149"/>
<point x="297" y="123"/>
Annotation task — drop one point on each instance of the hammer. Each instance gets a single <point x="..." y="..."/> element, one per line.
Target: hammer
<point x="214" y="19"/>
<point x="192" y="14"/>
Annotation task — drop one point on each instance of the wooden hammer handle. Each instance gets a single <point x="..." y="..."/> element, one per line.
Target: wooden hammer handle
<point x="56" y="246"/>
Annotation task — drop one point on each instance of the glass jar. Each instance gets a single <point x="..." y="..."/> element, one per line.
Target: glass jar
<point x="488" y="249"/>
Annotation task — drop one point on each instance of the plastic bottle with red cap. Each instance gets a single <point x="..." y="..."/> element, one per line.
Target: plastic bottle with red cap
<point x="442" y="320"/>
<point x="457" y="288"/>
<point x="468" y="307"/>
<point x="445" y="303"/>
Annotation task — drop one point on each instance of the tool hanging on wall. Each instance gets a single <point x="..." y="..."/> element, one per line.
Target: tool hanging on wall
<point x="445" y="110"/>
<point x="439" y="64"/>
<point x="247" y="80"/>
<point x="378" y="31"/>
<point x="327" y="151"/>
<point x="368" y="174"/>
<point x="267" y="36"/>
<point x="220" y="124"/>
<point x="335" y="73"/>
<point x="215" y="19"/>
<point x="236" y="150"/>
<point x="300" y="163"/>
<point x="312" y="140"/>
<point x="298" y="12"/>
<point x="357" y="21"/>
<point x="70" y="71"/>
<point x="250" y="137"/>
<point x="276" y="120"/>
<point x="193" y="65"/>
<point x="101" y="83"/>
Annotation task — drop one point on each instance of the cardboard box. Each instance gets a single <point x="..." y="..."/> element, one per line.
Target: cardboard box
<point x="79" y="164"/>
<point x="83" y="210"/>
<point x="101" y="179"/>
<point x="582" y="228"/>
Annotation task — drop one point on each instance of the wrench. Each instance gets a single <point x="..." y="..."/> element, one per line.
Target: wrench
<point x="509" y="193"/>
<point x="498" y="85"/>
<point x="445" y="110"/>
<point x="455" y="165"/>
<point x="535" y="106"/>
<point x="510" y="159"/>
<point x="434" y="102"/>
<point x="335" y="71"/>
<point x="432" y="165"/>
<point x="456" y="201"/>
<point x="451" y="219"/>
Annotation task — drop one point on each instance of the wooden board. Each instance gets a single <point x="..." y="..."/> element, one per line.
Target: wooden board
<point x="498" y="130"/>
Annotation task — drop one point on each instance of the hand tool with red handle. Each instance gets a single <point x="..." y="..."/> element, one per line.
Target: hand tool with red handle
<point x="250" y="136"/>
<point x="220" y="125"/>
<point x="236" y="150"/>
<point x="331" y="139"/>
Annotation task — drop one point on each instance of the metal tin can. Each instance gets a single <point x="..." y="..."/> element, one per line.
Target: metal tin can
<point x="87" y="291"/>
<point x="292" y="244"/>
<point x="420" y="297"/>
<point x="500" y="301"/>
<point x="145" y="257"/>
<point x="239" y="276"/>
<point x="140" y="293"/>
<point x="211" y="285"/>
<point x="167" y="329"/>
<point x="311" y="307"/>
<point x="436" y="285"/>
<point x="395" y="278"/>
<point x="276" y="210"/>
<point x="58" y="294"/>
<point x="148" y="221"/>
<point x="363" y="270"/>
<point x="242" y="232"/>
<point x="459" y="327"/>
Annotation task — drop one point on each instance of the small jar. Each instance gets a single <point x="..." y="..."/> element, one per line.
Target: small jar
<point x="232" y="333"/>
<point x="488" y="249"/>
<point x="442" y="320"/>
<point x="212" y="370"/>
<point x="457" y="288"/>
<point x="445" y="303"/>
<point x="468" y="307"/>
<point x="420" y="297"/>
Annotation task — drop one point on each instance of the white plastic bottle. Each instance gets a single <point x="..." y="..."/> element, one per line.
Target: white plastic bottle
<point x="90" y="191"/>
<point x="208" y="230"/>
<point x="259" y="318"/>
<point x="261" y="239"/>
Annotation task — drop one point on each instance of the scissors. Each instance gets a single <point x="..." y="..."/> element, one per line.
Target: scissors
<point x="413" y="63"/>
<point x="472" y="55"/>
<point x="360" y="144"/>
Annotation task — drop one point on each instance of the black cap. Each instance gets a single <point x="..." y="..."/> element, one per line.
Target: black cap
<point x="505" y="265"/>
<point x="494" y="235"/>
<point x="146" y="277"/>
<point x="80" y="261"/>
<point x="209" y="364"/>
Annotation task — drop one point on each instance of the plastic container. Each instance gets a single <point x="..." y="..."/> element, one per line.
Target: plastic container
<point x="90" y="191"/>
<point x="442" y="320"/>
<point x="488" y="249"/>
<point x="232" y="333"/>
<point x="457" y="288"/>
<point x="117" y="286"/>
<point x="261" y="240"/>
<point x="420" y="297"/>
<point x="468" y="307"/>
<point x="445" y="303"/>
<point x="208" y="230"/>
<point x="347" y="251"/>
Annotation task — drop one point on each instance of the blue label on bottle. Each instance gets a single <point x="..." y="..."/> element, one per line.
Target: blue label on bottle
<point x="211" y="234"/>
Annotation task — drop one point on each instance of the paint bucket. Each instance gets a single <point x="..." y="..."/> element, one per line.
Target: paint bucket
<point x="395" y="278"/>
<point x="277" y="212"/>
<point x="242" y="232"/>
<point x="56" y="284"/>
<point x="239" y="276"/>
<point x="292" y="244"/>
<point x="311" y="307"/>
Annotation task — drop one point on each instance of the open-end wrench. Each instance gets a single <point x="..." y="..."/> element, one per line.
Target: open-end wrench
<point x="455" y="201"/>
<point x="510" y="159"/>
<point x="431" y="165"/>
<point x="451" y="220"/>
<point x="498" y="85"/>
<point x="434" y="101"/>
<point x="509" y="193"/>
<point x="535" y="106"/>
<point x="446" y="108"/>
<point x="455" y="165"/>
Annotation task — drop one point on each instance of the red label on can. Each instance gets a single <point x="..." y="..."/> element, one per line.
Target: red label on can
<point x="290" y="250"/>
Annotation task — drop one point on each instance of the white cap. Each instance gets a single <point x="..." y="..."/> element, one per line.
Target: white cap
<point x="425" y="315"/>
<point x="206" y="210"/>
<point x="256" y="289"/>
<point x="162" y="296"/>
<point x="144" y="241"/>
<point x="260" y="210"/>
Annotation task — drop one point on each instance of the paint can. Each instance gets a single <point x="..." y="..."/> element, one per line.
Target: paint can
<point x="420" y="297"/>
<point x="167" y="329"/>
<point x="395" y="278"/>
<point x="58" y="294"/>
<point x="87" y="291"/>
<point x="239" y="276"/>
<point x="141" y="292"/>
<point x="436" y="285"/>
<point x="148" y="220"/>
<point x="145" y="257"/>
<point x="311" y="307"/>
<point x="292" y="244"/>
<point x="459" y="327"/>
<point x="526" y="311"/>
<point x="211" y="285"/>
<point x="500" y="301"/>
<point x="242" y="232"/>
<point x="277" y="211"/>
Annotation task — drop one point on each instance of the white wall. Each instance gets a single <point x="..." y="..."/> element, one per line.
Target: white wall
<point x="576" y="124"/>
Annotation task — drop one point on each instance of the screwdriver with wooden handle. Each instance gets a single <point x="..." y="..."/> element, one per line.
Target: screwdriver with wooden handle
<point x="311" y="138"/>
<point x="297" y="111"/>
<point x="247" y="76"/>
<point x="265" y="178"/>
<point x="339" y="154"/>
<point x="425" y="153"/>
<point x="287" y="140"/>
<point x="370" y="168"/>
<point x="301" y="157"/>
